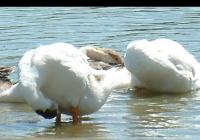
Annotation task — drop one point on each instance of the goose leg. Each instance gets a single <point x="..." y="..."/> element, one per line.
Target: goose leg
<point x="74" y="111"/>
<point x="58" y="118"/>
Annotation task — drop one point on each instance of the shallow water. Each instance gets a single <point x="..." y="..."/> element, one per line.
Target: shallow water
<point x="124" y="115"/>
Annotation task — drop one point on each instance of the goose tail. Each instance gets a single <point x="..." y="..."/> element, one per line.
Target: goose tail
<point x="117" y="78"/>
<point x="12" y="95"/>
<point x="9" y="91"/>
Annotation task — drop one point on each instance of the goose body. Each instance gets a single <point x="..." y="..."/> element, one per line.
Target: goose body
<point x="57" y="79"/>
<point x="162" y="65"/>
<point x="5" y="81"/>
<point x="102" y="58"/>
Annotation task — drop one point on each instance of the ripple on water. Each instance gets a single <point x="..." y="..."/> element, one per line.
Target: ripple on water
<point x="124" y="115"/>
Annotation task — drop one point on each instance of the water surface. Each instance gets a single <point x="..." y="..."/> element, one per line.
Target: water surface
<point x="124" y="115"/>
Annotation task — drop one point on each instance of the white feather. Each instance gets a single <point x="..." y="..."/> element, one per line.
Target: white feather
<point x="162" y="65"/>
<point x="59" y="75"/>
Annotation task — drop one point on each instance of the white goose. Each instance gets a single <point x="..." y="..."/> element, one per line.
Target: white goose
<point x="162" y="65"/>
<point x="56" y="79"/>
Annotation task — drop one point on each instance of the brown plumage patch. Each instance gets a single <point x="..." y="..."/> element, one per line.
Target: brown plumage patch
<point x="5" y="81"/>
<point x="111" y="52"/>
<point x="102" y="58"/>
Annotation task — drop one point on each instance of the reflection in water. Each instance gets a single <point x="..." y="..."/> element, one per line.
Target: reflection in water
<point x="156" y="115"/>
<point x="18" y="120"/>
<point x="21" y="121"/>
<point x="67" y="130"/>
<point x="124" y="115"/>
<point x="14" y="112"/>
<point x="107" y="123"/>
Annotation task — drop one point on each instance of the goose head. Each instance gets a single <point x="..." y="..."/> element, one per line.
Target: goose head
<point x="47" y="113"/>
<point x="57" y="78"/>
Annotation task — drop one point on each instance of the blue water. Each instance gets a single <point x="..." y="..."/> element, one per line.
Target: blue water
<point x="123" y="115"/>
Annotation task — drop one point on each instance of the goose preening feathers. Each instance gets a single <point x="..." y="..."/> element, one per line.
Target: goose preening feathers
<point x="102" y="58"/>
<point x="162" y="65"/>
<point x="57" y="79"/>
